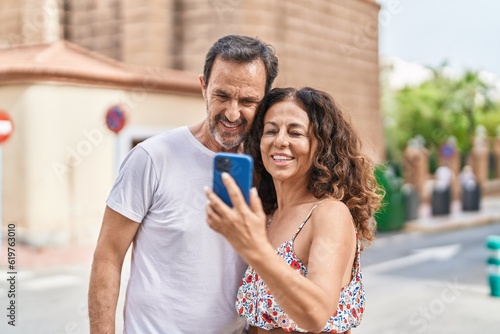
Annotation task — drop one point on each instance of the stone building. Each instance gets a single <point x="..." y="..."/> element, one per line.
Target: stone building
<point x="331" y="45"/>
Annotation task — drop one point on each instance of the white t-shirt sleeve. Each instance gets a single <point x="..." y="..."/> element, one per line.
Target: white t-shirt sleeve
<point x="133" y="191"/>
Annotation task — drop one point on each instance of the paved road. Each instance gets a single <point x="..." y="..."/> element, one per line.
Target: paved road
<point x="429" y="283"/>
<point x="416" y="283"/>
<point x="47" y="301"/>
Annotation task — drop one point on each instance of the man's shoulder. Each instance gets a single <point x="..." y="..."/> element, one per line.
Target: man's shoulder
<point x="162" y="140"/>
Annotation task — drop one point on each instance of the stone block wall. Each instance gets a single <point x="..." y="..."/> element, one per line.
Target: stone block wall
<point x="331" y="45"/>
<point x="328" y="44"/>
<point x="29" y="22"/>
<point x="94" y="24"/>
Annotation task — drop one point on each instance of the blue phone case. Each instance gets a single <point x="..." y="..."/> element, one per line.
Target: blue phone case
<point x="240" y="167"/>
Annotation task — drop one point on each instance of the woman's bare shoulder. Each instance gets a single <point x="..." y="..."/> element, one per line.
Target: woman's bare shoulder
<point x="332" y="207"/>
<point x="332" y="213"/>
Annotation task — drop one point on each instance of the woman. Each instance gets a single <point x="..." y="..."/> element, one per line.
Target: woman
<point x="302" y="239"/>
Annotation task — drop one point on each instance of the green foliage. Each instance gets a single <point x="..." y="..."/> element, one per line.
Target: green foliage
<point x="491" y="121"/>
<point x="437" y="109"/>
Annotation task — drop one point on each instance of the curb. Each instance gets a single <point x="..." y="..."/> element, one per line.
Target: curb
<point x="445" y="224"/>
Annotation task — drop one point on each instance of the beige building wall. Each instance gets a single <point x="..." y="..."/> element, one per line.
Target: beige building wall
<point x="60" y="163"/>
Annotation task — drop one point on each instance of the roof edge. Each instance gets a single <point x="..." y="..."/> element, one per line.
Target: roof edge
<point x="121" y="75"/>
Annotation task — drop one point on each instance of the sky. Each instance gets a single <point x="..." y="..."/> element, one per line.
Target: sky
<point x="465" y="33"/>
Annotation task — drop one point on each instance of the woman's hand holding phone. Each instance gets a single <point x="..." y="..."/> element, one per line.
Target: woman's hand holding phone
<point x="242" y="225"/>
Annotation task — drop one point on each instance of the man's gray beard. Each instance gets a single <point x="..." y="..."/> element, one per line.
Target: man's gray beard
<point x="227" y="145"/>
<point x="214" y="131"/>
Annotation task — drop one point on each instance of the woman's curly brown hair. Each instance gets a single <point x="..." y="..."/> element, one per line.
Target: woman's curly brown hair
<point x="339" y="169"/>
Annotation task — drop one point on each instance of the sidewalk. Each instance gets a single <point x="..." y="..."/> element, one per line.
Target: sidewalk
<point x="31" y="257"/>
<point x="489" y="213"/>
<point x="28" y="257"/>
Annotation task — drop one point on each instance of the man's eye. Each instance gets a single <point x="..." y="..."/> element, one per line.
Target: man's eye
<point x="222" y="97"/>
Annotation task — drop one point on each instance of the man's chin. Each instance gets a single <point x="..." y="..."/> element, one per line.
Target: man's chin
<point x="229" y="143"/>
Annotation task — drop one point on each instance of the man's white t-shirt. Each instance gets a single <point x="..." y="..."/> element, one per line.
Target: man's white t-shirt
<point x="184" y="276"/>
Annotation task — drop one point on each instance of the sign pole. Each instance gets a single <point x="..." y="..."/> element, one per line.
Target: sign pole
<point x="6" y="128"/>
<point x="115" y="121"/>
<point x="117" y="154"/>
<point x="1" y="189"/>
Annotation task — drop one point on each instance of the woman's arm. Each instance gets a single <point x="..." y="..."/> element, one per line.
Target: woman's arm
<point x="310" y="301"/>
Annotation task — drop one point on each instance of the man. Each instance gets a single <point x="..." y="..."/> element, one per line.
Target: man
<point x="184" y="277"/>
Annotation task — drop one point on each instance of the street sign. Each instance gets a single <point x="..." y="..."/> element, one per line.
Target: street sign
<point x="6" y="126"/>
<point x="115" y="118"/>
<point x="447" y="150"/>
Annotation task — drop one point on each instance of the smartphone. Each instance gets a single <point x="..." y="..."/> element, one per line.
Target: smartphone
<point x="240" y="167"/>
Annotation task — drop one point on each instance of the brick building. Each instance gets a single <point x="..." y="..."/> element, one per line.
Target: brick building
<point x="327" y="44"/>
<point x="332" y="45"/>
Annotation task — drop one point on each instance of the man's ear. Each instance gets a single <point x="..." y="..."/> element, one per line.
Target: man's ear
<point x="203" y="86"/>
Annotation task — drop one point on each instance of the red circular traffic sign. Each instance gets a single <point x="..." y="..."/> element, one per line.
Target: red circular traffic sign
<point x="115" y="118"/>
<point x="6" y="126"/>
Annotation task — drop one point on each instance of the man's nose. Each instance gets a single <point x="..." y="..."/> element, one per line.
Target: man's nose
<point x="233" y="111"/>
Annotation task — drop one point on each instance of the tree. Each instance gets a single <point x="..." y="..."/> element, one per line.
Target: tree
<point x="472" y="97"/>
<point x="437" y="109"/>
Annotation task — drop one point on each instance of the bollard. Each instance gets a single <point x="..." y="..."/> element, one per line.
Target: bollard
<point x="411" y="201"/>
<point x="493" y="245"/>
<point x="441" y="201"/>
<point x="471" y="197"/>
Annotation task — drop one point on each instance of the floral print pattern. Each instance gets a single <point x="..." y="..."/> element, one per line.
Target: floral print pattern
<point x="256" y="304"/>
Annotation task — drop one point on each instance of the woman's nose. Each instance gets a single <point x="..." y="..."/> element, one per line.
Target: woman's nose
<point x="281" y="140"/>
